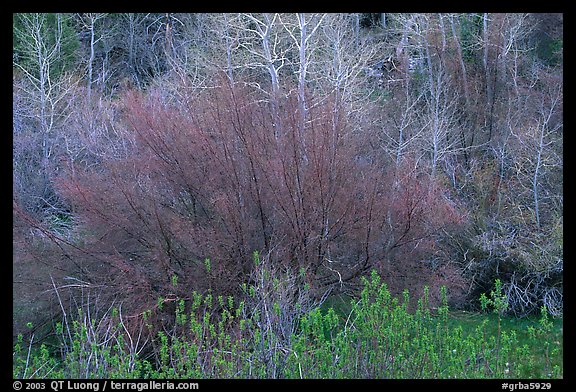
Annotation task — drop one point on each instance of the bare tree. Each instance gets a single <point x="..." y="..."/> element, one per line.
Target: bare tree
<point x="536" y="148"/>
<point x="342" y="69"/>
<point x="305" y="28"/>
<point x="42" y="86"/>
<point x="89" y="21"/>
<point x="270" y="51"/>
<point x="460" y="59"/>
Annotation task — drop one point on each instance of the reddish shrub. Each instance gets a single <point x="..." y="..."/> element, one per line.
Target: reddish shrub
<point x="220" y="179"/>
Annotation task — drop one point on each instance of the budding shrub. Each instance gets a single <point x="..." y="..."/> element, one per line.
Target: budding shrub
<point x="221" y="177"/>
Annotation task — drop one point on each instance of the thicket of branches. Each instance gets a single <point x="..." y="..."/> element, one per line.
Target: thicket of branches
<point x="207" y="185"/>
<point x="153" y="147"/>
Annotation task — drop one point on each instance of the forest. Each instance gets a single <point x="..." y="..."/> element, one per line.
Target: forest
<point x="286" y="195"/>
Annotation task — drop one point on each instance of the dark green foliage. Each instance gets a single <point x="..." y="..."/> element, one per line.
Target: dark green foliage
<point x="547" y="38"/>
<point x="549" y="50"/>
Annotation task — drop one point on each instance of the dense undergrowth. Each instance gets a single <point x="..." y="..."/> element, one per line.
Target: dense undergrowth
<point x="378" y="337"/>
<point x="426" y="147"/>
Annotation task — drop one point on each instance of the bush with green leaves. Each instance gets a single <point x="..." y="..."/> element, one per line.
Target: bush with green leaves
<point x="380" y="338"/>
<point x="223" y="337"/>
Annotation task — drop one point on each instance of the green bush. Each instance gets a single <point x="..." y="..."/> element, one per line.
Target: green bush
<point x="217" y="337"/>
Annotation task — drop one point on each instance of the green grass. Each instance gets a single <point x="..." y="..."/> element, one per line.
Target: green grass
<point x="539" y="350"/>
